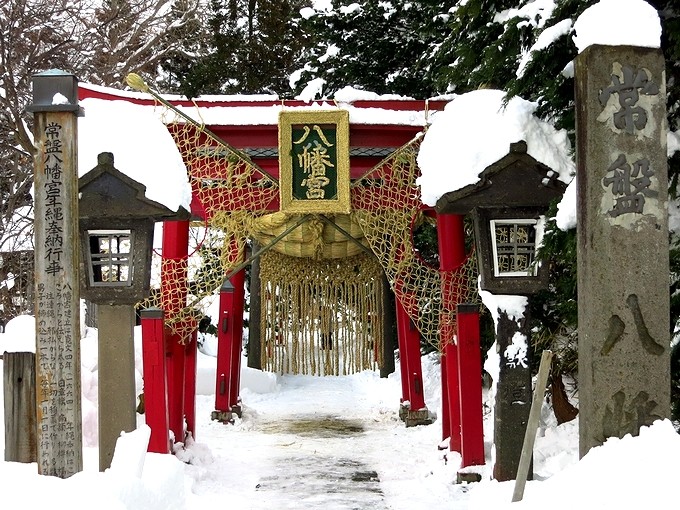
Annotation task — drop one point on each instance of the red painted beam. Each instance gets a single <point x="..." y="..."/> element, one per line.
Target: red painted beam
<point x="92" y="91"/>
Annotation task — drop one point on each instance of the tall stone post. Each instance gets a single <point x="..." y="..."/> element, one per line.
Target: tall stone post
<point x="623" y="300"/>
<point x="57" y="310"/>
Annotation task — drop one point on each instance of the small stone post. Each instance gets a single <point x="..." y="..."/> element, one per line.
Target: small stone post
<point x="623" y="300"/>
<point x="513" y="394"/>
<point x="116" y="390"/>
<point x="57" y="307"/>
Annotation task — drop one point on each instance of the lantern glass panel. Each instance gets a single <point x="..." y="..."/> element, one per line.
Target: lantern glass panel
<point x="514" y="247"/>
<point x="110" y="257"/>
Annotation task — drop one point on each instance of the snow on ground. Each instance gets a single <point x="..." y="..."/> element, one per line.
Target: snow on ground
<point x="336" y="443"/>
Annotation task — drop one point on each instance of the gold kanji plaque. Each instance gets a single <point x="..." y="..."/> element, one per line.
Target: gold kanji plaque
<point x="314" y="161"/>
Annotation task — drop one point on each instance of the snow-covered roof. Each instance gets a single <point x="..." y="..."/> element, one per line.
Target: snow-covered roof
<point x="248" y="110"/>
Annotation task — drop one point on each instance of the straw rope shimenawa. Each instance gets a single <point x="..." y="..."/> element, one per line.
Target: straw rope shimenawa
<point x="317" y="286"/>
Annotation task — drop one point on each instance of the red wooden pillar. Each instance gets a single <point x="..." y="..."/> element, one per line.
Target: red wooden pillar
<point x="470" y="378"/>
<point x="411" y="357"/>
<point x="403" y="360"/>
<point x="190" y="359"/>
<point x="175" y="369"/>
<point x="155" y="383"/>
<point x="223" y="352"/>
<point x="451" y="359"/>
<point x="236" y="340"/>
<point x="446" y="414"/>
<point x="229" y="341"/>
<point x="173" y="299"/>
<point x="451" y="238"/>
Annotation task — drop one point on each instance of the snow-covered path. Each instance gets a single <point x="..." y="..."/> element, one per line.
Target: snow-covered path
<point x="331" y="443"/>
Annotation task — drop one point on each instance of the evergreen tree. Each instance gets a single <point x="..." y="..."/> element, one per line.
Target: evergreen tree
<point x="384" y="47"/>
<point x="250" y="46"/>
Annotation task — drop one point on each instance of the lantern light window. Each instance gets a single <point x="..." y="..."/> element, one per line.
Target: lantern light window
<point x="110" y="257"/>
<point x="514" y="247"/>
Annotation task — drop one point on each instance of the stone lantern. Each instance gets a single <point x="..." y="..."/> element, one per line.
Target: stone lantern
<point x="506" y="205"/>
<point x="116" y="236"/>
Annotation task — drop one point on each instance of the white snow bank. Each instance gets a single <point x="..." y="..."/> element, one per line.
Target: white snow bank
<point x="19" y="335"/>
<point x="633" y="472"/>
<point x="474" y="131"/>
<point x="161" y="487"/>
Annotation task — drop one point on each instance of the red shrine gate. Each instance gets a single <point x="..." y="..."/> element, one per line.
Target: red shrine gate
<point x="170" y="352"/>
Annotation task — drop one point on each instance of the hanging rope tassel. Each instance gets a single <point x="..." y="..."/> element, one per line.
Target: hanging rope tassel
<point x="319" y="314"/>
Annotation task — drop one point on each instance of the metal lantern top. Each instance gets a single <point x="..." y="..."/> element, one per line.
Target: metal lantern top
<point x="505" y="204"/>
<point x="54" y="91"/>
<point x="116" y="231"/>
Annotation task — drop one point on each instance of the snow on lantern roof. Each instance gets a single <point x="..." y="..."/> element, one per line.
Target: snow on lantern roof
<point x="475" y="131"/>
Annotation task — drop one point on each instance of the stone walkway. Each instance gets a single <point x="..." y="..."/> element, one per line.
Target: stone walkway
<point x="315" y="480"/>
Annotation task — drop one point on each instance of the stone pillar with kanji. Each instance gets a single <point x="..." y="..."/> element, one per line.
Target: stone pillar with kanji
<point x="623" y="267"/>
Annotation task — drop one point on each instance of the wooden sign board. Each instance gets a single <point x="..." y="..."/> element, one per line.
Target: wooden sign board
<point x="314" y="161"/>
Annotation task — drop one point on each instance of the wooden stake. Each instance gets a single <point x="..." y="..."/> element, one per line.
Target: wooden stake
<point x="532" y="426"/>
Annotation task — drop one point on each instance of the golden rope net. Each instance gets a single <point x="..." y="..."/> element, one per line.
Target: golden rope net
<point x="305" y="295"/>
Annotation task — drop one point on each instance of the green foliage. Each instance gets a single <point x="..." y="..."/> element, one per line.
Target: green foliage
<point x="384" y="47"/>
<point x="554" y="312"/>
<point x="245" y="46"/>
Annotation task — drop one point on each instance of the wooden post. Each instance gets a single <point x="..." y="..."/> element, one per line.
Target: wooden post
<point x="450" y="360"/>
<point x="175" y="365"/>
<point x="236" y="337"/>
<point x="446" y="414"/>
<point x="389" y="330"/>
<point x="532" y="426"/>
<point x="57" y="288"/>
<point x="255" y="335"/>
<point x="173" y="300"/>
<point x="513" y="394"/>
<point x="155" y="381"/>
<point x="222" y="410"/>
<point x="451" y="239"/>
<point x="417" y="413"/>
<point x="190" y="360"/>
<point x="403" y="361"/>
<point x="19" y="395"/>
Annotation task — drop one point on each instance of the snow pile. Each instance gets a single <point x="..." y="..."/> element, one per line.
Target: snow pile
<point x="618" y="22"/>
<point x="633" y="472"/>
<point x="141" y="145"/>
<point x="19" y="335"/>
<point x="474" y="131"/>
<point x="159" y="486"/>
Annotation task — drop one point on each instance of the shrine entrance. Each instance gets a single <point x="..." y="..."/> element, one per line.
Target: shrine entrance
<point x="321" y="204"/>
